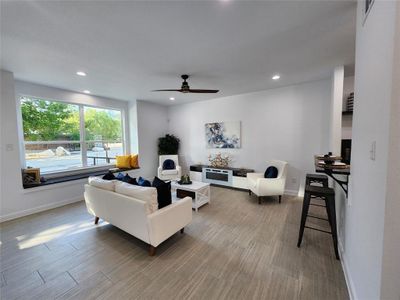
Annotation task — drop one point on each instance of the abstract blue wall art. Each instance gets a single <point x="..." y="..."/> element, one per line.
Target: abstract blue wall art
<point x="223" y="135"/>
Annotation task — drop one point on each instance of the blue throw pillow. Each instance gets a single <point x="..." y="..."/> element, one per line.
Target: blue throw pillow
<point x="129" y="179"/>
<point x="168" y="164"/>
<point x="120" y="176"/>
<point x="271" y="172"/>
<point x="143" y="182"/>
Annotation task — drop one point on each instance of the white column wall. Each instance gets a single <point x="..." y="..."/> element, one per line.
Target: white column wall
<point x="336" y="110"/>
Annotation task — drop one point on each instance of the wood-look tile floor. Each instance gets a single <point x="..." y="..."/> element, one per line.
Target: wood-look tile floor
<point x="233" y="249"/>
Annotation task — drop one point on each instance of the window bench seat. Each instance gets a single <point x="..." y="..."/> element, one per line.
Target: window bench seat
<point x="79" y="176"/>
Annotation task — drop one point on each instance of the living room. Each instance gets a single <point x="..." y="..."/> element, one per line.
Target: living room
<point x="80" y="86"/>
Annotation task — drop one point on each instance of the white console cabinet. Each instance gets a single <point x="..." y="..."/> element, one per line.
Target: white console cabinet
<point x="238" y="179"/>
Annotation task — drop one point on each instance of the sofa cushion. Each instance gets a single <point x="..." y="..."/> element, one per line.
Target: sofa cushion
<point x="109" y="176"/>
<point x="271" y="172"/>
<point x="168" y="164"/>
<point x="169" y="172"/>
<point x="146" y="194"/>
<point x="163" y="192"/>
<point x="102" y="183"/>
<point x="143" y="182"/>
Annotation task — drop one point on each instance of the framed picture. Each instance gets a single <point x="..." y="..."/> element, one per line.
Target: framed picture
<point x="31" y="176"/>
<point x="223" y="135"/>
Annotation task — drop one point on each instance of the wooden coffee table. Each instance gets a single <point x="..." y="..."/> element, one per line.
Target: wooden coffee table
<point x="198" y="191"/>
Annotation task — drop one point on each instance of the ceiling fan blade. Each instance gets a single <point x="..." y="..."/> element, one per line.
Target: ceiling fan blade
<point x="202" y="91"/>
<point x="166" y="90"/>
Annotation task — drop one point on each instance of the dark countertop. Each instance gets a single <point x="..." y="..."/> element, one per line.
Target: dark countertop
<point x="332" y="171"/>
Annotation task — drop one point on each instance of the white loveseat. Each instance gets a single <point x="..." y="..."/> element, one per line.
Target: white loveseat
<point x="268" y="186"/>
<point x="112" y="202"/>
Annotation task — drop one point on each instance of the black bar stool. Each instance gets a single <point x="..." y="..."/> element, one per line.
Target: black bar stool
<point x="312" y="179"/>
<point x="328" y="195"/>
<point x="317" y="178"/>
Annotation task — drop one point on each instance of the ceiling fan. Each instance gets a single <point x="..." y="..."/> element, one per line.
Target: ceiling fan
<point x="186" y="89"/>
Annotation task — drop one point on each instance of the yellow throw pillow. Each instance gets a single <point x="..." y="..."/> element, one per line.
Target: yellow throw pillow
<point x="135" y="161"/>
<point x="123" y="161"/>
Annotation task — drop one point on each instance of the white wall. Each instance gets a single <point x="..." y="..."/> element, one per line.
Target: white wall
<point x="152" y="123"/>
<point x="365" y="210"/>
<point x="335" y="129"/>
<point x="16" y="201"/>
<point x="288" y="123"/>
<point x="51" y="93"/>
<point x="390" y="288"/>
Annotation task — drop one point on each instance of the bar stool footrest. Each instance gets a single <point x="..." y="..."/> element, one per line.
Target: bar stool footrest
<point x="315" y="217"/>
<point x="313" y="228"/>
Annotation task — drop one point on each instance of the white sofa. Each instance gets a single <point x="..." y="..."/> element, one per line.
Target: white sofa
<point x="268" y="186"/>
<point x="139" y="217"/>
<point x="169" y="174"/>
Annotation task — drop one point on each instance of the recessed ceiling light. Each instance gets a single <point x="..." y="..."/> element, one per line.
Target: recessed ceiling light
<point x="171" y="98"/>
<point x="80" y="73"/>
<point x="86" y="91"/>
<point x="276" y="77"/>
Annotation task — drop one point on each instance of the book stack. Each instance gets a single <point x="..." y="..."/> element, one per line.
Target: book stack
<point x="350" y="102"/>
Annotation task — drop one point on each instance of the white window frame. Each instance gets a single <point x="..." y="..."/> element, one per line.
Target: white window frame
<point x="81" y="106"/>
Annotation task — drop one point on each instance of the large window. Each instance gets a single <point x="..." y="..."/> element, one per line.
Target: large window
<point x="61" y="136"/>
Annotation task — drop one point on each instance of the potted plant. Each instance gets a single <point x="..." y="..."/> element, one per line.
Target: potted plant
<point x="169" y="144"/>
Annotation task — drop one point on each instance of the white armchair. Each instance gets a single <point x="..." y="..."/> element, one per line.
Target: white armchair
<point x="268" y="186"/>
<point x="169" y="174"/>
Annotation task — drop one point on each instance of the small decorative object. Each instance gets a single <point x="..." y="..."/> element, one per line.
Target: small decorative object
<point x="219" y="160"/>
<point x="328" y="159"/>
<point x="223" y="134"/>
<point x="169" y="144"/>
<point x="185" y="179"/>
<point x="350" y="102"/>
<point x="31" y="176"/>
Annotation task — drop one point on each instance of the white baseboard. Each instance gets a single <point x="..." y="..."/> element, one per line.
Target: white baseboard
<point x="347" y="276"/>
<point x="291" y="192"/>
<point x="41" y="208"/>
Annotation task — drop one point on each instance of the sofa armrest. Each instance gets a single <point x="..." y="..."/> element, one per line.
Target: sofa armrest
<point x="255" y="176"/>
<point x="159" y="169"/>
<point x="166" y="221"/>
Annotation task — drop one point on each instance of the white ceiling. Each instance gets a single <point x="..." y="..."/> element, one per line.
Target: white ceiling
<point x="129" y="48"/>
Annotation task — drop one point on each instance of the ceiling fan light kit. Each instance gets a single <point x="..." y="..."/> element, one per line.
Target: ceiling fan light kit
<point x="185" y="88"/>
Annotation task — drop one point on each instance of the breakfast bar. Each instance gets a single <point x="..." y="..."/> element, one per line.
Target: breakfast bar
<point x="331" y="166"/>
